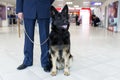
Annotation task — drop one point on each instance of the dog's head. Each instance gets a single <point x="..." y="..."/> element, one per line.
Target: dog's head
<point x="60" y="20"/>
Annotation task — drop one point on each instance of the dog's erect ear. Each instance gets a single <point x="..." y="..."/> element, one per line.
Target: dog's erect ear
<point x="65" y="9"/>
<point x="53" y="11"/>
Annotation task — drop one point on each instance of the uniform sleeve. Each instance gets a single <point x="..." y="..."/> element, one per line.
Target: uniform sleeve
<point x="51" y="1"/>
<point x="19" y="6"/>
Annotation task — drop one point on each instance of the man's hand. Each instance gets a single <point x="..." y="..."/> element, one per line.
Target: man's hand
<point x="20" y="16"/>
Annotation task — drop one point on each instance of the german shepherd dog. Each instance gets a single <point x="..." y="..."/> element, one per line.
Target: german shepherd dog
<point x="60" y="41"/>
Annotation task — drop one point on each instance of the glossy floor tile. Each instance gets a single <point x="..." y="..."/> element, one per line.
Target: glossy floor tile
<point x="96" y="54"/>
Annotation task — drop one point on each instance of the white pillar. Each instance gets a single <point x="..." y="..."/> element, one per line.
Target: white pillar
<point x="5" y="22"/>
<point x="119" y="15"/>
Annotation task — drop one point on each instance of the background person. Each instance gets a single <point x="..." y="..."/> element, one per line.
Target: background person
<point x="95" y="20"/>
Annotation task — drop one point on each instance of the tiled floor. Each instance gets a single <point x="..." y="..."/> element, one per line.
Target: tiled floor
<point x="96" y="54"/>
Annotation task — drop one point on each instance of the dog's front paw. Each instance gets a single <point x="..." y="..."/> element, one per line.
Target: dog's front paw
<point x="67" y="73"/>
<point x="53" y="73"/>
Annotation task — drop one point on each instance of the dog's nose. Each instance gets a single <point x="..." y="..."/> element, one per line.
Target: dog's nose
<point x="65" y="21"/>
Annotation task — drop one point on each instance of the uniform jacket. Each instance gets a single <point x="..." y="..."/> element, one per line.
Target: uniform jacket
<point x="34" y="8"/>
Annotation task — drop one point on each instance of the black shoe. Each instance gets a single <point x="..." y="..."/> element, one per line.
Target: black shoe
<point x="47" y="68"/>
<point x="22" y="66"/>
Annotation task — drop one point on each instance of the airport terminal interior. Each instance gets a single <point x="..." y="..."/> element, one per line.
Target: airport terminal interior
<point x="95" y="46"/>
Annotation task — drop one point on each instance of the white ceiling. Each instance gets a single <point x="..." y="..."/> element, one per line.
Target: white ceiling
<point x="9" y="1"/>
<point x="75" y="2"/>
<point x="59" y="3"/>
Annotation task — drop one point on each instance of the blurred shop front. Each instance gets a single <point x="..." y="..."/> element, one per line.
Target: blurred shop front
<point x="113" y="16"/>
<point x="11" y="16"/>
<point x="72" y="13"/>
<point x="2" y="13"/>
<point x="7" y="15"/>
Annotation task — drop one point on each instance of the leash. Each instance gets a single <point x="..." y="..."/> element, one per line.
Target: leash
<point x="19" y="33"/>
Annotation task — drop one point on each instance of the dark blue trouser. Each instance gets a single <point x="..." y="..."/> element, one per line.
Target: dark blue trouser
<point x="28" y="45"/>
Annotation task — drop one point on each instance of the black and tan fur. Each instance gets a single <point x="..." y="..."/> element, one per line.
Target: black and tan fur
<point x="60" y="41"/>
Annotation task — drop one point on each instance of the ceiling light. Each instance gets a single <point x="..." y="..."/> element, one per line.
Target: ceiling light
<point x="96" y="3"/>
<point x="86" y="2"/>
<point x="76" y="6"/>
<point x="69" y="2"/>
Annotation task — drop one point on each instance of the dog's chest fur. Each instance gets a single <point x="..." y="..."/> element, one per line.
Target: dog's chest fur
<point x="59" y="39"/>
<point x="59" y="42"/>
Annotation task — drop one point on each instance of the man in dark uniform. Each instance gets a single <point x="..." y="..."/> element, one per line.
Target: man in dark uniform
<point x="30" y="11"/>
